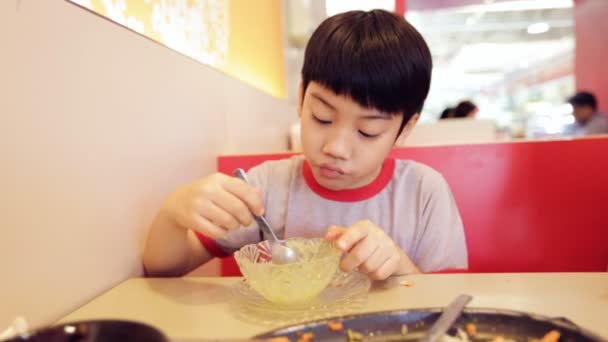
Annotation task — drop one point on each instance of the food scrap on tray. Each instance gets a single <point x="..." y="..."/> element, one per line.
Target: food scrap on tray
<point x="551" y="336"/>
<point x="471" y="329"/>
<point x="335" y="325"/>
<point x="306" y="337"/>
<point x="353" y="336"/>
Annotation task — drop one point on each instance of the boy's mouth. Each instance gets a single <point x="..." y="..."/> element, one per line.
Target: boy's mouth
<point x="330" y="171"/>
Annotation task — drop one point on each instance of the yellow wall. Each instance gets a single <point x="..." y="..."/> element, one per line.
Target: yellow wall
<point x="256" y="44"/>
<point x="242" y="38"/>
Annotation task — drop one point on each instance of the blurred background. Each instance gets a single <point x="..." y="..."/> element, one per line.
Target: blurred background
<point x="514" y="59"/>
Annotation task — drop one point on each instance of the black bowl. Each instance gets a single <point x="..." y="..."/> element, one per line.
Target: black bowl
<point x="95" y="331"/>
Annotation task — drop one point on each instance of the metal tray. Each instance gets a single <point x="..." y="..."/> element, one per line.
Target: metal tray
<point x="391" y="326"/>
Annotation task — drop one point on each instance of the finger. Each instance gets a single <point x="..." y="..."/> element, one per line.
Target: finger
<point x="202" y="225"/>
<point x="358" y="254"/>
<point x="350" y="237"/>
<point x="218" y="216"/>
<point x="334" y="232"/>
<point x="246" y="193"/>
<point x="387" y="269"/>
<point x="377" y="259"/>
<point x="234" y="206"/>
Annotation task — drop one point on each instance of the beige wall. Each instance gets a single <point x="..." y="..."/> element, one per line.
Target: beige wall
<point x="97" y="124"/>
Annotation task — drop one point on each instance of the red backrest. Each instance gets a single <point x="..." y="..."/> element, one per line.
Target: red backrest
<point x="526" y="207"/>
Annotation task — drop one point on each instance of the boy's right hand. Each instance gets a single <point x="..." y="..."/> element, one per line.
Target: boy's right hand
<point x="214" y="204"/>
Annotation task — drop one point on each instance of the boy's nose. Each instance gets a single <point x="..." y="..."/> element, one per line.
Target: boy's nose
<point x="337" y="146"/>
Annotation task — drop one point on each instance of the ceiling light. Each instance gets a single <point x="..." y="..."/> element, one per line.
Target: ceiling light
<point x="538" y="28"/>
<point x="520" y="5"/>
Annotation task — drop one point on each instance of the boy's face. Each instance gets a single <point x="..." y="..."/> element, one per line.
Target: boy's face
<point x="344" y="143"/>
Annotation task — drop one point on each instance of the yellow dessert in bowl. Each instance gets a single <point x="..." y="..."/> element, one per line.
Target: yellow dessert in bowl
<point x="294" y="283"/>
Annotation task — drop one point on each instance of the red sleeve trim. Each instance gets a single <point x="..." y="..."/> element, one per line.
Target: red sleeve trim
<point x="211" y="246"/>
<point x="451" y="270"/>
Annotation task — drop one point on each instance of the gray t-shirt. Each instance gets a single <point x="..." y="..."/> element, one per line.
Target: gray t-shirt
<point x="597" y="124"/>
<point x="410" y="201"/>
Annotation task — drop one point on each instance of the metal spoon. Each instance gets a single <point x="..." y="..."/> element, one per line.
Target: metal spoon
<point x="281" y="254"/>
<point x="449" y="315"/>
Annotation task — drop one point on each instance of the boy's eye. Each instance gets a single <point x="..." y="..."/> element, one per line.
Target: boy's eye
<point x="366" y="135"/>
<point x="322" y="122"/>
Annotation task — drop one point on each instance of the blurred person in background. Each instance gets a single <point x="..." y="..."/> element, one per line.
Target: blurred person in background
<point x="465" y="109"/>
<point x="588" y="121"/>
<point x="447" y="113"/>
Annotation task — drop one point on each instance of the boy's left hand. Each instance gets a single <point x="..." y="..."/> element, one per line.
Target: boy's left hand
<point x="370" y="250"/>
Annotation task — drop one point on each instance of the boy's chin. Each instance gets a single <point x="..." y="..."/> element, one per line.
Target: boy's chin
<point x="336" y="184"/>
<point x="330" y="183"/>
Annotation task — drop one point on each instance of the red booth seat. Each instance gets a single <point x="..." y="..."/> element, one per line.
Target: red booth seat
<point x="526" y="207"/>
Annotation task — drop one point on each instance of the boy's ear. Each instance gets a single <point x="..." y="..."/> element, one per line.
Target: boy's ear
<point x="407" y="129"/>
<point x="300" y="98"/>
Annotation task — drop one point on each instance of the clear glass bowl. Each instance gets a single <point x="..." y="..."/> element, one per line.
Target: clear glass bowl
<point x="294" y="283"/>
<point x="344" y="295"/>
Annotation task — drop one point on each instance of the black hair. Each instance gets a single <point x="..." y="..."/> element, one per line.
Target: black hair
<point x="447" y="113"/>
<point x="377" y="58"/>
<point x="463" y="109"/>
<point x="583" y="98"/>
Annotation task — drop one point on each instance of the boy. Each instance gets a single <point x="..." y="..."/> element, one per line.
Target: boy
<point x="364" y="80"/>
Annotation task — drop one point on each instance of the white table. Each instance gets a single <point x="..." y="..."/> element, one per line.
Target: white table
<point x="195" y="308"/>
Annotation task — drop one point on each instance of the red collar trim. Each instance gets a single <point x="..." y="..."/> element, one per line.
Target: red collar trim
<point x="351" y="195"/>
